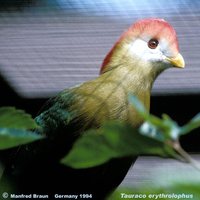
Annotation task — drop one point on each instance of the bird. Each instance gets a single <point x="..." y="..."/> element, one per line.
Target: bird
<point x="147" y="48"/>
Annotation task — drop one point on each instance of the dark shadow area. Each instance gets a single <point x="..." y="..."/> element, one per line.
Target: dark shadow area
<point x="10" y="98"/>
<point x="20" y="5"/>
<point x="17" y="4"/>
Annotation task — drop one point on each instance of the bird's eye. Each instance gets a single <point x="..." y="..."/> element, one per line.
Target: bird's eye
<point x="153" y="43"/>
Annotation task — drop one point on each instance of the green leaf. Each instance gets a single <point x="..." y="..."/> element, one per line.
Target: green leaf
<point x="191" y="125"/>
<point x="170" y="128"/>
<point x="143" y="112"/>
<point x="14" y="137"/>
<point x="14" y="124"/>
<point x="17" y="119"/>
<point x="164" y="128"/>
<point x="138" y="106"/>
<point x="113" y="140"/>
<point x="155" y="137"/>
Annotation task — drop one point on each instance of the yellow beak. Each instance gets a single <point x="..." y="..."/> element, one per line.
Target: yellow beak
<point x="178" y="61"/>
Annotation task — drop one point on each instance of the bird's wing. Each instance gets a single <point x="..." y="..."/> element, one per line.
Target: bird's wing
<point x="55" y="113"/>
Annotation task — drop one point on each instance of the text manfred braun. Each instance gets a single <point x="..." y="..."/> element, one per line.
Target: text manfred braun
<point x="29" y="196"/>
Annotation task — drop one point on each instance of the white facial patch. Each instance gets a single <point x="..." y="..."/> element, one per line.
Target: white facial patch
<point x="165" y="48"/>
<point x="140" y="48"/>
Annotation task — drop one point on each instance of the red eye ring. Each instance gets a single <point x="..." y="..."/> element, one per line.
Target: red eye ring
<point x="153" y="43"/>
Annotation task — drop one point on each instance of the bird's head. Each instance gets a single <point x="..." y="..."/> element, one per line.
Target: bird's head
<point x="152" y="41"/>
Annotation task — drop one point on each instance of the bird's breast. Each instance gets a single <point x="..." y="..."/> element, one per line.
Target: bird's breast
<point x="107" y="101"/>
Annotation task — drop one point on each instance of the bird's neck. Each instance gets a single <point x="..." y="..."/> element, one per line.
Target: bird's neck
<point x="130" y="79"/>
<point x="135" y="73"/>
<point x="136" y="76"/>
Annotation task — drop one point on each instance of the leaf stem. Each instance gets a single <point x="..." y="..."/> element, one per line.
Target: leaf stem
<point x="185" y="155"/>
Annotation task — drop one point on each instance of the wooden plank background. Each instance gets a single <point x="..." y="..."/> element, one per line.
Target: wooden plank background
<point x="46" y="46"/>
